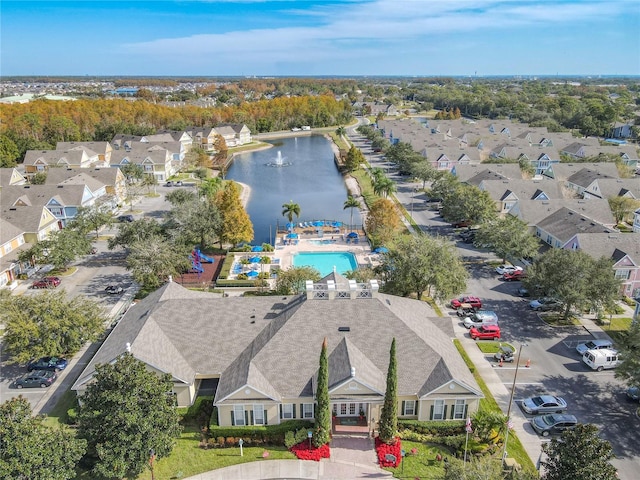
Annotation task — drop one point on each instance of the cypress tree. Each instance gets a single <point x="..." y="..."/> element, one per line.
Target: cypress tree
<point x="323" y="408"/>
<point x="389" y="416"/>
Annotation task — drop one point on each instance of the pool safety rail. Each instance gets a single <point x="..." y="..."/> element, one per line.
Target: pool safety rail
<point x="331" y="291"/>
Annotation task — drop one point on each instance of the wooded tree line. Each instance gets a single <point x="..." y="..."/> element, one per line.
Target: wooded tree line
<point x="42" y="123"/>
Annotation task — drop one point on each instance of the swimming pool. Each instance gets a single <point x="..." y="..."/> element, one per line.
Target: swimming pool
<point x="325" y="261"/>
<point x="322" y="242"/>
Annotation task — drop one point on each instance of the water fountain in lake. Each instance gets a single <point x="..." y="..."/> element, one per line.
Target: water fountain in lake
<point x="279" y="161"/>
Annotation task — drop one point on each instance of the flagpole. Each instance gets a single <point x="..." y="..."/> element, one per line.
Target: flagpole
<point x="468" y="429"/>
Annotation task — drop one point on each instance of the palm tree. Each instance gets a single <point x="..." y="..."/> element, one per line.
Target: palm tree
<point x="290" y="209"/>
<point x="384" y="186"/>
<point x="351" y="203"/>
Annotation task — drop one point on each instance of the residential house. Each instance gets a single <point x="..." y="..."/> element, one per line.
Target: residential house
<point x="622" y="248"/>
<point x="108" y="182"/>
<point x="63" y="201"/>
<point x="614" y="187"/>
<point x="154" y="160"/>
<point x="532" y="212"/>
<point x="507" y="193"/>
<point x="562" y="171"/>
<point x="636" y="221"/>
<point x="103" y="149"/>
<point x="475" y="174"/>
<point x="621" y="130"/>
<point x="11" y="241"/>
<point x="561" y="226"/>
<point x="203" y="137"/>
<point x="585" y="182"/>
<point x="11" y="176"/>
<point x="234" y="134"/>
<point x="263" y="352"/>
<point x="36" y="161"/>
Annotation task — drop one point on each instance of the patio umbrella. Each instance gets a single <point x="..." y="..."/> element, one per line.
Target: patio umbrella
<point x="291" y="226"/>
<point x="381" y="250"/>
<point x="255" y="259"/>
<point x="318" y="223"/>
<point x="292" y="235"/>
<point x="256" y="248"/>
<point x="352" y="235"/>
<point x="336" y="224"/>
<point x="252" y="273"/>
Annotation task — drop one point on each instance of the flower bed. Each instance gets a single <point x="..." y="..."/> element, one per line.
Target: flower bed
<point x="303" y="452"/>
<point x="382" y="449"/>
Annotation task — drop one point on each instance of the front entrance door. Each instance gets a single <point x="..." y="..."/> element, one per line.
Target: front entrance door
<point x="348" y="409"/>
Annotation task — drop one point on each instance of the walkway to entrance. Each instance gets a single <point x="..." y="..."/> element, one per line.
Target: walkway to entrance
<point x="350" y="425"/>
<point x="352" y="457"/>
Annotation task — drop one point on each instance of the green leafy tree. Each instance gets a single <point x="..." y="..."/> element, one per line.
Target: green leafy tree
<point x="423" y="264"/>
<point x="293" y="280"/>
<point x="235" y="224"/>
<point x="382" y="221"/>
<point x="210" y="187"/>
<point x="40" y="178"/>
<point x="148" y="181"/>
<point x="31" y="450"/>
<point x="291" y="209"/>
<point x="354" y="159"/>
<point x="127" y="411"/>
<point x="623" y="207"/>
<point x="153" y="260"/>
<point x="351" y="203"/>
<point x="133" y="232"/>
<point x="384" y="186"/>
<point x="9" y="152"/>
<point x="423" y="171"/>
<point x="508" y="237"/>
<point x="134" y="174"/>
<point x="91" y="218"/>
<point x="180" y="196"/>
<point x="578" y="453"/>
<point x="61" y="248"/>
<point x="468" y="202"/>
<point x="48" y="324"/>
<point x="322" y="428"/>
<point x="574" y="278"/>
<point x="361" y="275"/>
<point x="629" y="370"/>
<point x="389" y="415"/>
<point x="194" y="223"/>
<point x="341" y="131"/>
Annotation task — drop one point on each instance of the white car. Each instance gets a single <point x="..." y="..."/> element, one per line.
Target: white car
<point x="593" y="345"/>
<point x="502" y="269"/>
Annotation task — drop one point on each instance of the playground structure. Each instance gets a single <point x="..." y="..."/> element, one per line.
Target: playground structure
<point x="197" y="257"/>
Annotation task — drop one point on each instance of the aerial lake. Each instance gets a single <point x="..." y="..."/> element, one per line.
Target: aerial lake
<point x="299" y="169"/>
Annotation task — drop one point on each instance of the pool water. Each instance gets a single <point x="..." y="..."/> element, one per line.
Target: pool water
<point x="322" y="242"/>
<point x="325" y="261"/>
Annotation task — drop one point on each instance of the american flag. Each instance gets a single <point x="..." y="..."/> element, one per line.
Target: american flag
<point x="467" y="425"/>
<point x="510" y="424"/>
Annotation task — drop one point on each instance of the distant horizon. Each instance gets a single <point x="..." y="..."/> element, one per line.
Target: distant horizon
<point x="308" y="38"/>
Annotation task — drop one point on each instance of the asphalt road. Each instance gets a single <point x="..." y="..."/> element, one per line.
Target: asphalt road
<point x="555" y="366"/>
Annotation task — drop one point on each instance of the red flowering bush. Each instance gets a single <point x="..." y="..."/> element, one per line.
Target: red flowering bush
<point x="303" y="452"/>
<point x="382" y="449"/>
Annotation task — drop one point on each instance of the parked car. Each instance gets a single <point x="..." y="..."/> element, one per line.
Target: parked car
<point x="514" y="276"/>
<point x="633" y="393"/>
<point x="37" y="378"/>
<point x="125" y="218"/>
<point x="485" y="332"/>
<point x="114" y="289"/>
<point x="461" y="224"/>
<point x="504" y="268"/>
<point x="553" y="424"/>
<point x="55" y="364"/>
<point x="544" y="404"/>
<point x="523" y="292"/>
<point x="505" y="353"/>
<point x="481" y="317"/>
<point x="545" y="304"/>
<point x="46" y="282"/>
<point x="179" y="183"/>
<point x="475" y="302"/>
<point x="169" y="184"/>
<point x="581" y="348"/>
<point x="602" y="359"/>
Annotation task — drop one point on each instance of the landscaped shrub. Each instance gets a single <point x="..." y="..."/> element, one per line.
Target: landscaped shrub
<point x="198" y="414"/>
<point x="257" y="435"/>
<point x="383" y="449"/>
<point x="629" y="301"/>
<point x="225" y="270"/>
<point x="289" y="439"/>
<point x="304" y="451"/>
<point x="72" y="416"/>
<point x="437" y="428"/>
<point x="235" y="283"/>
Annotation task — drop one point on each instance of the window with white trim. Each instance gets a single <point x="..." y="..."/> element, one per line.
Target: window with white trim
<point x="258" y="414"/>
<point x="307" y="410"/>
<point x="409" y="407"/>
<point x="438" y="410"/>
<point x="287" y="410"/>
<point x="458" y="409"/>
<point x="623" y="274"/>
<point x="238" y="415"/>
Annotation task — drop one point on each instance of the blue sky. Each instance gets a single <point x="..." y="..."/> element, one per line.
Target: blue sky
<point x="320" y="37"/>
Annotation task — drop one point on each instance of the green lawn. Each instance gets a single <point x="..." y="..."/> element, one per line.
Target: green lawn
<point x="423" y="463"/>
<point x="491" y="347"/>
<point x="618" y="327"/>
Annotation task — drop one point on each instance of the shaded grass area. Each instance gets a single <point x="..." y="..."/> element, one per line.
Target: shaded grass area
<point x="618" y="328"/>
<point x="488" y="403"/>
<point x="58" y="415"/>
<point x="557" y="320"/>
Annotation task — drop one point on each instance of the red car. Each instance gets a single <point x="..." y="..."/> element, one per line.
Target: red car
<point x="485" y="332"/>
<point x="514" y="276"/>
<point x="475" y="302"/>
<point x="46" y="282"/>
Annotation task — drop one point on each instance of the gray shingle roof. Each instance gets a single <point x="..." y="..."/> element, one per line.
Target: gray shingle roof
<point x="564" y="224"/>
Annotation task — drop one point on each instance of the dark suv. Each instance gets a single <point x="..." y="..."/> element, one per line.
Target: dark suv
<point x="125" y="218"/>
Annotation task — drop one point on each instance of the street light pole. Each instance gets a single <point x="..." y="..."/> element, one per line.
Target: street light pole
<point x="513" y="389"/>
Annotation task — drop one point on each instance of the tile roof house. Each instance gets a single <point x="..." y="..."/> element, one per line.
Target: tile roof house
<point x="622" y="248"/>
<point x="264" y="352"/>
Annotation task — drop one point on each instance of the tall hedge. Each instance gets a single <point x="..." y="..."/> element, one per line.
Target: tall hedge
<point x="323" y="410"/>
<point x="389" y="417"/>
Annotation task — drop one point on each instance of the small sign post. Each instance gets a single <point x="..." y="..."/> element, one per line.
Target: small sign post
<point x="309" y="435"/>
<point x="241" y="442"/>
